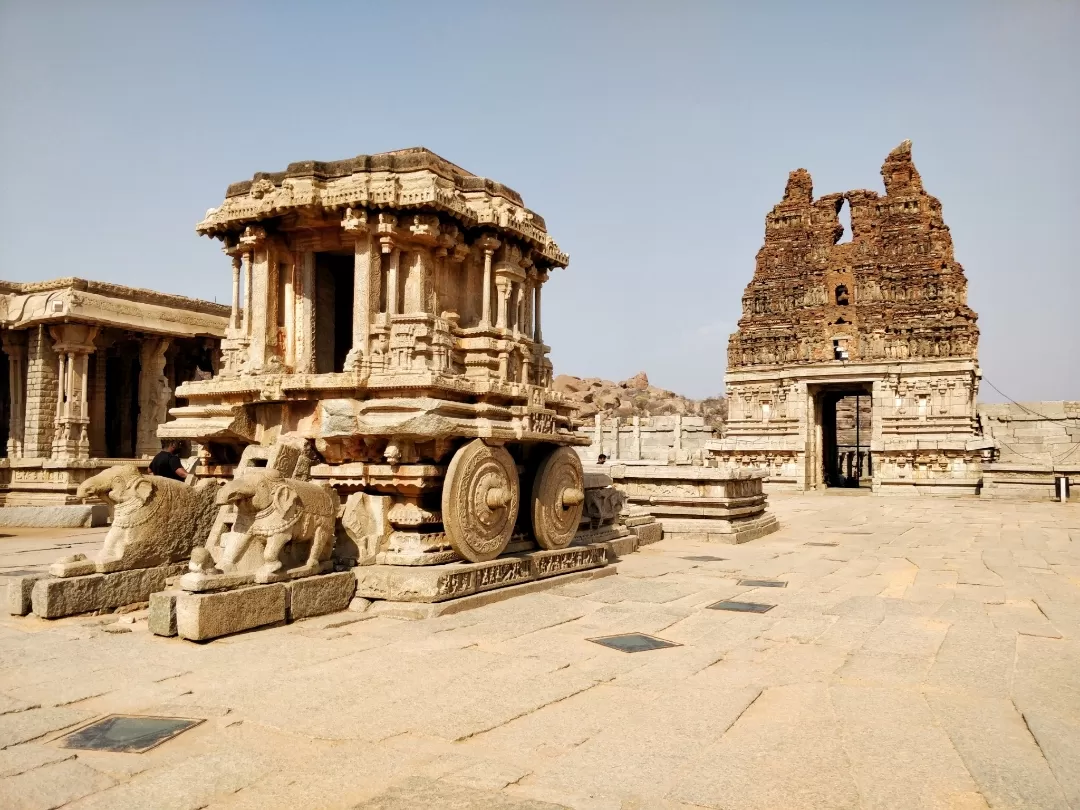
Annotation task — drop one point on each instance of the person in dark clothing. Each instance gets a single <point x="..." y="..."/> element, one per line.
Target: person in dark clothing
<point x="167" y="463"/>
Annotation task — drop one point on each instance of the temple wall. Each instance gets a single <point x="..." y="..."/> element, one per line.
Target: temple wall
<point x="1037" y="444"/>
<point x="653" y="439"/>
<point x="1045" y="433"/>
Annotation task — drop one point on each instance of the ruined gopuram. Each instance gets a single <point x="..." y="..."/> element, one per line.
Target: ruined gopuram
<point x="87" y="373"/>
<point x="883" y="316"/>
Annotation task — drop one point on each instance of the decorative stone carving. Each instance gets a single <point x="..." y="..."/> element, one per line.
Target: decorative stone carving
<point x="366" y="522"/>
<point x="275" y="512"/>
<point x="480" y="501"/>
<point x="602" y="506"/>
<point x="155" y="520"/>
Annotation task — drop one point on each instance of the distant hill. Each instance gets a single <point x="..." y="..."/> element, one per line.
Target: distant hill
<point x="634" y="397"/>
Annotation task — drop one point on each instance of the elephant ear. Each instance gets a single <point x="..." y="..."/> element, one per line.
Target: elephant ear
<point x="284" y="499"/>
<point x="144" y="488"/>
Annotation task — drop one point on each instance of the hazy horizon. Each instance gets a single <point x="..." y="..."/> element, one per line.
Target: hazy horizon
<point x="652" y="138"/>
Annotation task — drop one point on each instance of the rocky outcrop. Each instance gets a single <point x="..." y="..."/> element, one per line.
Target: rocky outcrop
<point x="634" y="397"/>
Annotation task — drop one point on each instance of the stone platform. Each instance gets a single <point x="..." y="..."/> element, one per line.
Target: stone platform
<point x="1028" y="481"/>
<point x="72" y="516"/>
<point x="705" y="504"/>
<point x="440" y="583"/>
<point x="56" y="597"/>
<point x="213" y="614"/>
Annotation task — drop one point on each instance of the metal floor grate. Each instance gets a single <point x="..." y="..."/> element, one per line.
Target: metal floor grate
<point x="129" y="734"/>
<point x="633" y="642"/>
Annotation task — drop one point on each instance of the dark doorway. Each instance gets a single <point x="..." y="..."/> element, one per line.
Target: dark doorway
<point x="333" y="310"/>
<point x="121" y="403"/>
<point x="846" y="428"/>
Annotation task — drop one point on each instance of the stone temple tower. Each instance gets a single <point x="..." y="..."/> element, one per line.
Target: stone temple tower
<point x="882" y="317"/>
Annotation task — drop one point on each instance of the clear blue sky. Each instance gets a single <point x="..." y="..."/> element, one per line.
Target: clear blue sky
<point x="653" y="137"/>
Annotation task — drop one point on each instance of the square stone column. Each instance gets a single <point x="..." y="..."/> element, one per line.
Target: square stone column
<point x="39" y="418"/>
<point x="73" y="344"/>
<point x="154" y="395"/>
<point x="14" y="345"/>
<point x="366" y="269"/>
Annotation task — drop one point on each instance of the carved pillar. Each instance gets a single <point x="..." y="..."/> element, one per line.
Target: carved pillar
<point x="488" y="244"/>
<point x="154" y="395"/>
<point x="393" y="278"/>
<point x="502" y="284"/>
<point x="365" y="279"/>
<point x="598" y="433"/>
<point x="614" y="456"/>
<point x="530" y="300"/>
<point x="637" y="439"/>
<point x="289" y="304"/>
<point x="234" y="314"/>
<point x="538" y="334"/>
<point x="14" y="345"/>
<point x="305" y="348"/>
<point x="246" y="259"/>
<point x="73" y="344"/>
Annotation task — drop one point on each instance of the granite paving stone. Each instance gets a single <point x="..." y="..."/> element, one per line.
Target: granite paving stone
<point x="930" y="659"/>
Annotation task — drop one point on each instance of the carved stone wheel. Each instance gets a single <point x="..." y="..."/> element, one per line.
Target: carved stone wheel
<point x="558" y="496"/>
<point x="480" y="501"/>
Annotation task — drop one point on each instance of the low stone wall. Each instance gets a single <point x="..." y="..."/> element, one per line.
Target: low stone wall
<point x="1036" y="443"/>
<point x="673" y="439"/>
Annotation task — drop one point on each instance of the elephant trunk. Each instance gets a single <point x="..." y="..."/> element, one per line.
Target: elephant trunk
<point x="234" y="492"/>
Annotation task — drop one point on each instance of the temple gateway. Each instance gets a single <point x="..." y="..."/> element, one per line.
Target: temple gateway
<point x="876" y="329"/>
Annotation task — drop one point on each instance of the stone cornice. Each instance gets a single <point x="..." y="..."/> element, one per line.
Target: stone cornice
<point x="79" y="301"/>
<point x="407" y="180"/>
<point x="120" y="291"/>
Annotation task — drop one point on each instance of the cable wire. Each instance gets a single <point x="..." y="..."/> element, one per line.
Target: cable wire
<point x="1024" y="407"/>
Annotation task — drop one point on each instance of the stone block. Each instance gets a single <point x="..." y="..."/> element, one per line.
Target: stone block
<point x="61" y="517"/>
<point x="162" y="618"/>
<point x="721" y="531"/>
<point x="648" y="533"/>
<point x="19" y="589"/>
<point x="205" y="616"/>
<point x="55" y="597"/>
<point x="319" y="595"/>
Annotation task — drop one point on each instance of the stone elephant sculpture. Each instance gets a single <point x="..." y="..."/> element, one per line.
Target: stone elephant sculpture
<point x="156" y="520"/>
<point x="279" y="512"/>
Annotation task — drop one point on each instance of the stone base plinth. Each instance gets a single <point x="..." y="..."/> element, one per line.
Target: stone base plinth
<point x="720" y="531"/>
<point x="704" y="504"/>
<point x="429" y="610"/>
<point x="206" y="616"/>
<point x="1028" y="482"/>
<point x="212" y="614"/>
<point x="56" y="597"/>
<point x="648" y="533"/>
<point x="18" y="589"/>
<point x="439" y="583"/>
<point x="59" y="517"/>
<point x="940" y="487"/>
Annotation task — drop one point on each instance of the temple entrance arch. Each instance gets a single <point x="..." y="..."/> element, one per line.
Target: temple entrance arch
<point x="838" y="454"/>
